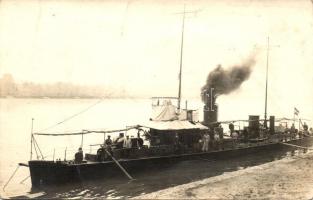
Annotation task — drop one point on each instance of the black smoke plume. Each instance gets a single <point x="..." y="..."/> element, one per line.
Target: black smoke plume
<point x="225" y="81"/>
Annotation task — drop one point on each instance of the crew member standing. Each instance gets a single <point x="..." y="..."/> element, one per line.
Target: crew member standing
<point x="216" y="140"/>
<point x="293" y="128"/>
<point x="292" y="131"/>
<point x="231" y="128"/>
<point x="119" y="141"/>
<point x="206" y="140"/>
<point x="108" y="144"/>
<point x="127" y="142"/>
<point x="234" y="137"/>
<point x="127" y="146"/>
<point x="79" y="156"/>
<point x="139" y="142"/>
<point x="108" y="141"/>
<point x="305" y="129"/>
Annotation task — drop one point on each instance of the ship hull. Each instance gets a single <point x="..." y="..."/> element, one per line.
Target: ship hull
<point x="51" y="172"/>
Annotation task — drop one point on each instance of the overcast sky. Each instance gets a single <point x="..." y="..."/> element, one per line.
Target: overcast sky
<point x="136" y="44"/>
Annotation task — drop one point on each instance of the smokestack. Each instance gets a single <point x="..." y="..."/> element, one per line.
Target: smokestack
<point x="222" y="81"/>
<point x="210" y="109"/>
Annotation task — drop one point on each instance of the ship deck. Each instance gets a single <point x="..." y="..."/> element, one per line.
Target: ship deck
<point x="239" y="146"/>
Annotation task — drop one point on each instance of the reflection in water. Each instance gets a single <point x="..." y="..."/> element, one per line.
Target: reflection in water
<point x="177" y="174"/>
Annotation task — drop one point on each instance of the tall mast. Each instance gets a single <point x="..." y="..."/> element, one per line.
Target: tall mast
<point x="265" y="112"/>
<point x="181" y="61"/>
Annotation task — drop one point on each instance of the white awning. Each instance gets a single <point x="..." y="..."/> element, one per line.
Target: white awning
<point x="164" y="112"/>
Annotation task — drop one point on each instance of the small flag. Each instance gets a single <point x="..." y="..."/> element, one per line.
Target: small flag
<point x="296" y="111"/>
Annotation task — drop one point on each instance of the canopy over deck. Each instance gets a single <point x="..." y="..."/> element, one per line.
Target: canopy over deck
<point x="164" y="112"/>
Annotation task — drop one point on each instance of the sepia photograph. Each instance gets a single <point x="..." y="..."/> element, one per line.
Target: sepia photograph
<point x="156" y="99"/>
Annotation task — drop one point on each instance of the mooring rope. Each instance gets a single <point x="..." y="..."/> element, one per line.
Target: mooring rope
<point x="11" y="177"/>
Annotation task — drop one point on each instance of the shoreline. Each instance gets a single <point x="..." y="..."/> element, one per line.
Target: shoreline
<point x="289" y="178"/>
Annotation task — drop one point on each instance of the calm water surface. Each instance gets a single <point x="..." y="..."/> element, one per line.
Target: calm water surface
<point x="15" y="129"/>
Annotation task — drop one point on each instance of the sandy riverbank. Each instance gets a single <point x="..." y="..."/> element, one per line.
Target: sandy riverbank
<point x="289" y="178"/>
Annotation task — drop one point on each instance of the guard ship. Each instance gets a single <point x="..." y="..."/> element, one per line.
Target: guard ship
<point x="172" y="134"/>
<point x="171" y="138"/>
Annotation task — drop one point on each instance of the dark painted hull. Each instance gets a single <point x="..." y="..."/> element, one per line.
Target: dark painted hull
<point x="50" y="172"/>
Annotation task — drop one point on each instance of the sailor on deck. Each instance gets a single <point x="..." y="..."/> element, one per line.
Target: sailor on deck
<point x="292" y="131"/>
<point x="139" y="142"/>
<point x="293" y="128"/>
<point x="127" y="145"/>
<point x="231" y="128"/>
<point x="108" y="141"/>
<point x="206" y="140"/>
<point x="127" y="142"/>
<point x="234" y="136"/>
<point x="119" y="141"/>
<point x="305" y="129"/>
<point x="216" y="139"/>
<point x="79" y="156"/>
<point x="108" y="145"/>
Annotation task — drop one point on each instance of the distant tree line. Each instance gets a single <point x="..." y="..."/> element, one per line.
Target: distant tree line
<point x="8" y="88"/>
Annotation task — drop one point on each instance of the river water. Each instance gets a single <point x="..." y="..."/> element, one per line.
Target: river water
<point x="15" y="129"/>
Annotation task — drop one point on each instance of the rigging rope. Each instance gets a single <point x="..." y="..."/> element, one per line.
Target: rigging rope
<point x="35" y="150"/>
<point x="36" y="144"/>
<point x="83" y="132"/>
<point x="18" y="166"/>
<point x="72" y="116"/>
